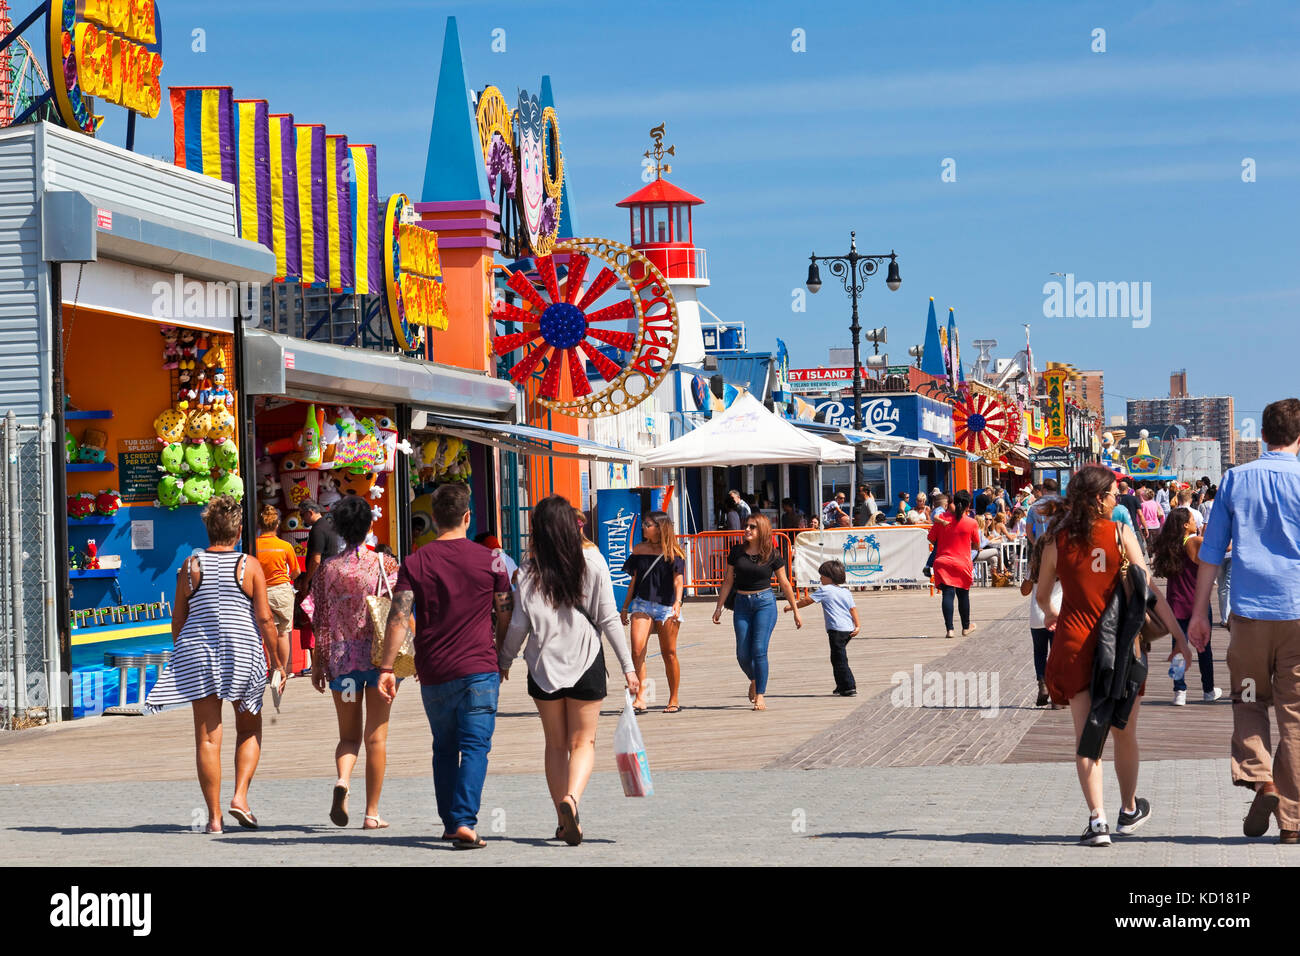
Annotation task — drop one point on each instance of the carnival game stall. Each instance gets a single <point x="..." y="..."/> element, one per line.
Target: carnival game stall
<point x="142" y="460"/>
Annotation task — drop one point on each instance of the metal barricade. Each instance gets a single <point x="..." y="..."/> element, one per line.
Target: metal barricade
<point x="706" y="556"/>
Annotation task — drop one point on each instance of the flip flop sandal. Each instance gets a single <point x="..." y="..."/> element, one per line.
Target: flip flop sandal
<point x="639" y="710"/>
<point x="244" y="818"/>
<point x="339" y="809"/>
<point x="571" y="834"/>
<point x="476" y="844"/>
<point x="379" y="824"/>
<point x="672" y="708"/>
<point x="210" y="828"/>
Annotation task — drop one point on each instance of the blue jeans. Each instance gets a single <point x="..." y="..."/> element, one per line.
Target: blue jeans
<point x="462" y="715"/>
<point x="754" y="619"/>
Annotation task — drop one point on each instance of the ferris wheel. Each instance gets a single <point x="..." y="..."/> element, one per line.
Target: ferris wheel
<point x="22" y="78"/>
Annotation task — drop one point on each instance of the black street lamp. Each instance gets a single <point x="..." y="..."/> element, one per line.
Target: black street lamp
<point x="854" y="270"/>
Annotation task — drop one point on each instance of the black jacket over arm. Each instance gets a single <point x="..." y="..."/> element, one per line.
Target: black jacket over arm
<point x="1116" y="673"/>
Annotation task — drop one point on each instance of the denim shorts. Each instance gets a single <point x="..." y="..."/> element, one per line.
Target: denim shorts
<point x="656" y="612"/>
<point x="356" y="680"/>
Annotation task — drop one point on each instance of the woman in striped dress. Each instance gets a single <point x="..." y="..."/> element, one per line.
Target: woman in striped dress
<point x="220" y="622"/>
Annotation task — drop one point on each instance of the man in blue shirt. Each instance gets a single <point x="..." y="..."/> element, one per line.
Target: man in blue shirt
<point x="1257" y="512"/>
<point x="1042" y="511"/>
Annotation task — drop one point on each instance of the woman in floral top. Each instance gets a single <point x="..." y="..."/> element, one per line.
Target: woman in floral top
<point x="342" y="654"/>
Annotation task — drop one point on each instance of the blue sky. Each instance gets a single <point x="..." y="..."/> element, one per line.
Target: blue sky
<point x="1115" y="166"/>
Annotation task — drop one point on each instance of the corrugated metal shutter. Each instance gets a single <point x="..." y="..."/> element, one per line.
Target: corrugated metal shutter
<point x="22" y="380"/>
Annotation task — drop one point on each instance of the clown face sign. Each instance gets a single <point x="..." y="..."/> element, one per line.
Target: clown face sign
<point x="532" y="190"/>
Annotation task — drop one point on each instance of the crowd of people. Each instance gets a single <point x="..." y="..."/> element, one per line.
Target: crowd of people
<point x="462" y="613"/>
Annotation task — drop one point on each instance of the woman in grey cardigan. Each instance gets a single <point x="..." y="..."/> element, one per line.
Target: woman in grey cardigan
<point x="565" y="600"/>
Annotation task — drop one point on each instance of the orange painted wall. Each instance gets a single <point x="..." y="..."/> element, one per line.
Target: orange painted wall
<point x="464" y="343"/>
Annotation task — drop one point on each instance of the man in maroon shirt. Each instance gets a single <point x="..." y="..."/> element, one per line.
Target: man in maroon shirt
<point x="453" y="586"/>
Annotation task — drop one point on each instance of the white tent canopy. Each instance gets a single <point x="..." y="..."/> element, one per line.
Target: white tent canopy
<point x="746" y="433"/>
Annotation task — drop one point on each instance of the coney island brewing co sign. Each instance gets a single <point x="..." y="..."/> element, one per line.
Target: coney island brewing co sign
<point x="108" y="49"/>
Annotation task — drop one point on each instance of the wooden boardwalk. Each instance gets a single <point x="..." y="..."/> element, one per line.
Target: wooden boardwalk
<point x="717" y="730"/>
<point x="1165" y="732"/>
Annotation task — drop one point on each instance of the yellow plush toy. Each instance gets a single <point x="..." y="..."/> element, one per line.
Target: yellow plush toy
<point x="222" y="424"/>
<point x="169" y="426"/>
<point x="198" y="424"/>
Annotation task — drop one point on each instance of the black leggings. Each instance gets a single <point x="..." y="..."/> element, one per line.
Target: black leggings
<point x="963" y="605"/>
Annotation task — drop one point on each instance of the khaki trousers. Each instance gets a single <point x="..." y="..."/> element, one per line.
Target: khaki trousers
<point x="1264" y="667"/>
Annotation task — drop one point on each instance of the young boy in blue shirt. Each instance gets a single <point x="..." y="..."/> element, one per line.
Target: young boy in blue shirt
<point x="841" y="623"/>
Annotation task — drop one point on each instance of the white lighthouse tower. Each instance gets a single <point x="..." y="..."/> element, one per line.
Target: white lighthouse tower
<point x="659" y="220"/>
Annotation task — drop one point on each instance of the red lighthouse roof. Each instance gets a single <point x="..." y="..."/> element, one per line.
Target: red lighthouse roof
<point x="658" y="192"/>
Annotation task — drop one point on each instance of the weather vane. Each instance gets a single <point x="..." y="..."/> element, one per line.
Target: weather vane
<point x="661" y="168"/>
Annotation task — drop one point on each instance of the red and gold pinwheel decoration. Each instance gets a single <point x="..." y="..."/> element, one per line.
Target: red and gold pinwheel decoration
<point x="562" y="327"/>
<point x="984" y="425"/>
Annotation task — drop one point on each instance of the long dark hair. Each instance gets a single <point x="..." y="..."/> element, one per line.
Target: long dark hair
<point x="1088" y="484"/>
<point x="557" y="552"/>
<point x="1167" y="554"/>
<point x="960" y="503"/>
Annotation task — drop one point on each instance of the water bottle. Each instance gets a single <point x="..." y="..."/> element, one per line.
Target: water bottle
<point x="1178" y="667"/>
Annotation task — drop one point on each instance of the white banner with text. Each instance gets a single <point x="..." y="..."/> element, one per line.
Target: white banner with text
<point x="872" y="556"/>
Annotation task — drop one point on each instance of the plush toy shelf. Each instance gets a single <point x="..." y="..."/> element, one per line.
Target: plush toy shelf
<point x="91" y="519"/>
<point x="95" y="573"/>
<point x="87" y="416"/>
<point x="92" y="466"/>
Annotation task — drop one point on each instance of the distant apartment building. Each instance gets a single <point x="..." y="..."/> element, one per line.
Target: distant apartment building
<point x="1200" y="417"/>
<point x="1248" y="450"/>
<point x="1089" y="389"/>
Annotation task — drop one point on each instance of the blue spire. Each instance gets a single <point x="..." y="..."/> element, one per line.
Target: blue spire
<point x="932" y="354"/>
<point x="566" y="206"/>
<point x="454" y="167"/>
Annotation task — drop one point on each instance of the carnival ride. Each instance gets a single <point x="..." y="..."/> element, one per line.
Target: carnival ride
<point x="22" y="78"/>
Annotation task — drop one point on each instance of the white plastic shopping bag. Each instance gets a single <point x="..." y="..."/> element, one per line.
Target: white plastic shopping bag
<point x="629" y="753"/>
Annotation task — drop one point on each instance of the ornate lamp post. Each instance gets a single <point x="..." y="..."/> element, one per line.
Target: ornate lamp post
<point x="853" y="270"/>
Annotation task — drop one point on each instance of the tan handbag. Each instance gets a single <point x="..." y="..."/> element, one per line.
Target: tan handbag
<point x="379" y="606"/>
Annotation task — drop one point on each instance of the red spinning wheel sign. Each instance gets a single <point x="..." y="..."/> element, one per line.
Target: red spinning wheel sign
<point x="561" y="326"/>
<point x="984" y="425"/>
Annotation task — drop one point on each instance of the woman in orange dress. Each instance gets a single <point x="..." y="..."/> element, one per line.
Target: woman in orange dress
<point x="1083" y="553"/>
<point x="954" y="542"/>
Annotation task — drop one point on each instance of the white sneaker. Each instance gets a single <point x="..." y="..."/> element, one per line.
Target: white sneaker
<point x="1212" y="696"/>
<point x="1180" y="698"/>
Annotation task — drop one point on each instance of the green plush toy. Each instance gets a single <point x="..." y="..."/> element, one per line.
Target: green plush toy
<point x="172" y="459"/>
<point x="229" y="484"/>
<point x="69" y="446"/>
<point x="225" y="458"/>
<point x="198" y="457"/>
<point x="171" y="493"/>
<point x="198" y="489"/>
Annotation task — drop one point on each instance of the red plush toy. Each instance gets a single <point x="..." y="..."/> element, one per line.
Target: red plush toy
<point x="81" y="505"/>
<point x="107" y="503"/>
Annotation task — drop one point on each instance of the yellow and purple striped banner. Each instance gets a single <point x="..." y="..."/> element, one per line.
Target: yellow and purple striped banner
<point x="339" y="173"/>
<point x="367" y="221"/>
<point x="253" y="186"/>
<point x="285" y="237"/>
<point x="312" y="211"/>
<point x="203" y="125"/>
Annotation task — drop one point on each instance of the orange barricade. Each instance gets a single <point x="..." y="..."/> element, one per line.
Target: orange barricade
<point x="707" y="555"/>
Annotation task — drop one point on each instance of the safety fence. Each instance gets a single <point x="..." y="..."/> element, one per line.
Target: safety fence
<point x="29" y="669"/>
